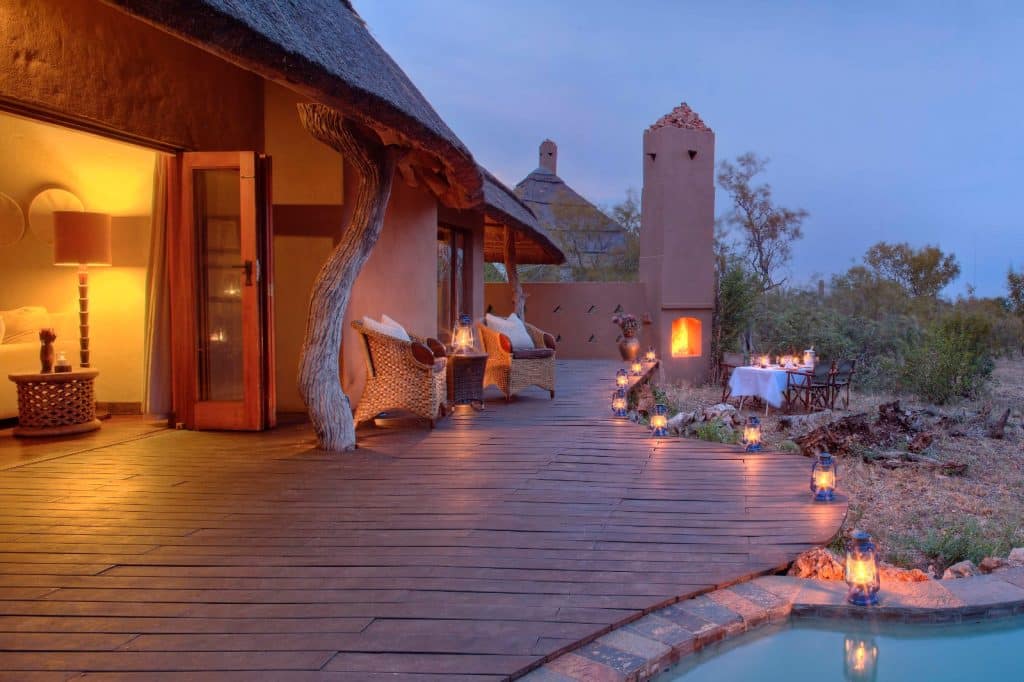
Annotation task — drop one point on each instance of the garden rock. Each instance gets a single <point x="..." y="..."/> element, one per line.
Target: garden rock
<point x="817" y="563"/>
<point x="892" y="574"/>
<point x="677" y="423"/>
<point x="799" y="424"/>
<point x="992" y="563"/>
<point x="723" y="412"/>
<point x="963" y="569"/>
<point x="1016" y="558"/>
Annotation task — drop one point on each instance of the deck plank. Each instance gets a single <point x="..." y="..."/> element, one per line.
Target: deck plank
<point x="472" y="551"/>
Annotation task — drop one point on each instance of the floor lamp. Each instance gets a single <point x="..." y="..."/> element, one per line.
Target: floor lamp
<point x="82" y="239"/>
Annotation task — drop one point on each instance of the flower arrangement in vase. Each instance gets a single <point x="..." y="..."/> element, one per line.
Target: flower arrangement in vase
<point x="629" y="345"/>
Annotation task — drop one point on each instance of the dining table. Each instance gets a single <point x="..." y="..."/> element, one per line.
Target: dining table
<point x="770" y="383"/>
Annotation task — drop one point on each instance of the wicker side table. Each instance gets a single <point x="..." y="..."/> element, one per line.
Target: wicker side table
<point x="56" y="404"/>
<point x="466" y="379"/>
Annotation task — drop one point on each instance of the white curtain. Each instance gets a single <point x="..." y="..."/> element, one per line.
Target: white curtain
<point x="157" y="389"/>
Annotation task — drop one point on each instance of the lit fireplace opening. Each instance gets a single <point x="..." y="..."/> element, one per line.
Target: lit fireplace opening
<point x="685" y="337"/>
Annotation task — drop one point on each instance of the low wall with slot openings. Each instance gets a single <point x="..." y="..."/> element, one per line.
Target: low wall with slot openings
<point x="578" y="314"/>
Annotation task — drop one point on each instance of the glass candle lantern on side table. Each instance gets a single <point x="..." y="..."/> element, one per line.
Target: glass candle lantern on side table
<point x="462" y="335"/>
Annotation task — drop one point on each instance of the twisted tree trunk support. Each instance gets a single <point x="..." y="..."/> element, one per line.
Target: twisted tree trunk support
<point x="511" y="271"/>
<point x="319" y="383"/>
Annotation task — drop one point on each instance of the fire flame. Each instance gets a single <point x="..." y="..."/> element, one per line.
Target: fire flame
<point x="686" y="333"/>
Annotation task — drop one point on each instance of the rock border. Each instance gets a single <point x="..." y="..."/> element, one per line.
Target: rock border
<point x="654" y="643"/>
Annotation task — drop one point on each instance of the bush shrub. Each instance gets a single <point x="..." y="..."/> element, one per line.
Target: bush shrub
<point x="716" y="431"/>
<point x="968" y="539"/>
<point x="953" y="360"/>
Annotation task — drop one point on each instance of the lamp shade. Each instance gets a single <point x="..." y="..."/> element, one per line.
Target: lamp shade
<point x="81" y="238"/>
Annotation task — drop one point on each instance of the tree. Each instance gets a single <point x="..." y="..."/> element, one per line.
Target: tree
<point x="627" y="214"/>
<point x="589" y="239"/>
<point x="375" y="163"/>
<point x="767" y="231"/>
<point x="921" y="272"/>
<point x="862" y="292"/>
<point x="1015" y="285"/>
<point x="492" y="273"/>
<point x="599" y="244"/>
<point x="735" y="306"/>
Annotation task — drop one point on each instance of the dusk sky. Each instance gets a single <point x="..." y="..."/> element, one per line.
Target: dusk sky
<point x="896" y="121"/>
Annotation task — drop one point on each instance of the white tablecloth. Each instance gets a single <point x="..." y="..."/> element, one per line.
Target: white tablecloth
<point x="768" y="384"/>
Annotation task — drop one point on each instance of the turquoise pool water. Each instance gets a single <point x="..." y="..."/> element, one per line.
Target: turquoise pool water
<point x="819" y="650"/>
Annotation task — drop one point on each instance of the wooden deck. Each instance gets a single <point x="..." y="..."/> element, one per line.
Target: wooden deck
<point x="469" y="552"/>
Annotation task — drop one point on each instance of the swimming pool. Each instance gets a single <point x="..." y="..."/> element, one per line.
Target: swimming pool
<point x="862" y="652"/>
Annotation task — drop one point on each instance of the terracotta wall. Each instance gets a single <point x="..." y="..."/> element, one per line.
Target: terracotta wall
<point x="306" y="183"/>
<point x="578" y="314"/>
<point x="311" y="194"/>
<point x="399" y="279"/>
<point x="107" y="176"/>
<point x="93" y="63"/>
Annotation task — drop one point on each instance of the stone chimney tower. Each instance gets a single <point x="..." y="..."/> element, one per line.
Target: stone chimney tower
<point x="549" y="156"/>
<point x="677" y="241"/>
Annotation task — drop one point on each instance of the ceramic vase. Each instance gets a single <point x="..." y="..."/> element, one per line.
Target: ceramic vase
<point x="629" y="348"/>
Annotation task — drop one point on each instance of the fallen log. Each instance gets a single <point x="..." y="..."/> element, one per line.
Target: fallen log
<point x="891" y="414"/>
<point x="836" y="437"/>
<point x="921" y="441"/>
<point x="902" y="460"/>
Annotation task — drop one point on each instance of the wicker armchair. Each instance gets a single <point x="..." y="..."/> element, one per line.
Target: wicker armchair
<point x="512" y="371"/>
<point x="402" y="375"/>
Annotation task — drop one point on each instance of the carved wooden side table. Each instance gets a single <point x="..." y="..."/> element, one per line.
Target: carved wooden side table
<point x="56" y="403"/>
<point x="466" y="379"/>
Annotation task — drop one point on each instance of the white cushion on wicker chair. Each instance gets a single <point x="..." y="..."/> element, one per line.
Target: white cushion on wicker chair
<point x="513" y="328"/>
<point x="398" y="330"/>
<point x="394" y="330"/>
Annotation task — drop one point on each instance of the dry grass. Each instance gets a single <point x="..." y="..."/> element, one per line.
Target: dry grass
<point x="917" y="515"/>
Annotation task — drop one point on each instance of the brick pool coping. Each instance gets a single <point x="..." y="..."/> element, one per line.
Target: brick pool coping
<point x="652" y="644"/>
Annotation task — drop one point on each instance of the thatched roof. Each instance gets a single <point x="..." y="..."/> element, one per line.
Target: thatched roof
<point x="503" y="208"/>
<point x="323" y="49"/>
<point x="544" y="192"/>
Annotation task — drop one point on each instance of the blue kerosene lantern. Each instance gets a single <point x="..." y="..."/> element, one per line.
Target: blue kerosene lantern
<point x="823" y="478"/>
<point x="619" y="402"/>
<point x="659" y="421"/>
<point x="862" y="570"/>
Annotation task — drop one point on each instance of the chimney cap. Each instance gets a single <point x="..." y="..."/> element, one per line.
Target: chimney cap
<point x="681" y="117"/>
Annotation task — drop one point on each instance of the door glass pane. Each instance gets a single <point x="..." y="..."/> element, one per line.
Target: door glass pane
<point x="458" y="278"/>
<point x="451" y="284"/>
<point x="218" y="230"/>
<point x="444" y="282"/>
